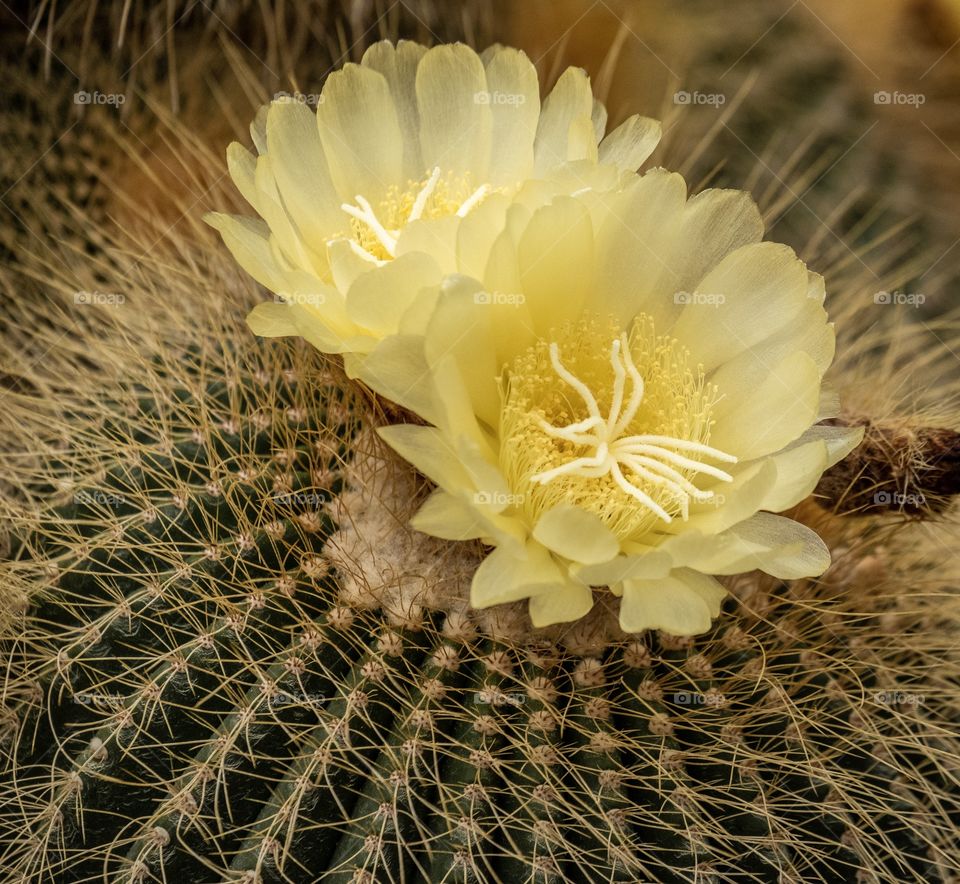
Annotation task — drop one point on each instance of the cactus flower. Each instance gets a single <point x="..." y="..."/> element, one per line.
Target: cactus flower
<point x="623" y="399"/>
<point x="361" y="204"/>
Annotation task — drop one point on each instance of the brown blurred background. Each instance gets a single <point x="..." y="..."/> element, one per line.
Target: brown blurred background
<point x="841" y="118"/>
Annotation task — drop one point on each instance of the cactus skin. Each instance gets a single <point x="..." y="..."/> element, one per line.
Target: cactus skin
<point x="189" y="698"/>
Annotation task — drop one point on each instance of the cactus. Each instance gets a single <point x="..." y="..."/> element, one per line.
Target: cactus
<point x="227" y="659"/>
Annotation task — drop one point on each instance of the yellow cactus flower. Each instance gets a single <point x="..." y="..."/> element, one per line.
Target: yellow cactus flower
<point x="624" y="395"/>
<point x="361" y="204"/>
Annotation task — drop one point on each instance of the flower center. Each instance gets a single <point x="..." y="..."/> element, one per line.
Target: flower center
<point x="624" y="434"/>
<point x="374" y="232"/>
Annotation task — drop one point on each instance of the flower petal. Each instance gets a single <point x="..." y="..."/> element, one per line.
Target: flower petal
<point x="455" y="121"/>
<point x="402" y="280"/>
<point x="630" y="567"/>
<point x="504" y="576"/>
<point x="248" y="240"/>
<point x="398" y="65"/>
<point x="446" y="516"/>
<point x="460" y="330"/>
<point x="271" y="320"/>
<point x="631" y="241"/>
<point x="301" y="172"/>
<point x="774" y="544"/>
<point x="775" y="413"/>
<point x="242" y="166"/>
<point x="570" y="102"/>
<point x="360" y="133"/>
<point x="514" y="92"/>
<point x="763" y="287"/>
<point x="629" y="145"/>
<point x="684" y="603"/>
<point x="562" y="604"/>
<point x="556" y="260"/>
<point x="576" y="534"/>
<point x="397" y="369"/>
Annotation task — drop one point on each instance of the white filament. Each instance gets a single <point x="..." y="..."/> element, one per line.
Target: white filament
<point x="641" y="455"/>
<point x="388" y="237"/>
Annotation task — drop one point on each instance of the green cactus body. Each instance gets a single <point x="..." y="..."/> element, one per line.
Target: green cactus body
<point x="202" y="706"/>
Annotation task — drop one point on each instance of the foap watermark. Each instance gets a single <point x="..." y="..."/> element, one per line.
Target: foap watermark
<point x="300" y="498"/>
<point x="496" y="697"/>
<point x="914" y="99"/>
<point x="506" y="299"/>
<point x="695" y="698"/>
<point x="292" y="698"/>
<point x="499" y="98"/>
<point x="101" y="498"/>
<point x="910" y="299"/>
<point x="311" y="99"/>
<point x="98" y="699"/>
<point x="898" y="498"/>
<point x="898" y="698"/>
<point x="713" y="99"/>
<point x="95" y="97"/>
<point x="107" y="299"/>
<point x="498" y="498"/>
<point x="708" y="299"/>
<point x="309" y="299"/>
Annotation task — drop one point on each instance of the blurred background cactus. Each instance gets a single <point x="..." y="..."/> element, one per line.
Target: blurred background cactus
<point x="225" y="656"/>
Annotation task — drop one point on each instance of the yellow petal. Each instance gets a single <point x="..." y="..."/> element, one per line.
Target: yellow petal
<point x="271" y="320"/>
<point x="477" y="233"/>
<point x="248" y="240"/>
<point x="258" y="129"/>
<point x="301" y="172"/>
<point x="398" y="65"/>
<point x="563" y="604"/>
<point x="285" y="237"/>
<point x="778" y="411"/>
<point x="442" y="460"/>
<point x="557" y="263"/>
<point x="679" y="604"/>
<point x="801" y="464"/>
<point x="631" y="567"/>
<point x="569" y="100"/>
<point x="629" y="145"/>
<point x="515" y="106"/>
<point x="576" y="534"/>
<point x="504" y="576"/>
<point x="446" y="516"/>
<point x="809" y="332"/>
<point x="632" y="276"/>
<point x="735" y="501"/>
<point x="436" y="237"/>
<point x="455" y="121"/>
<point x="582" y="141"/>
<point x="242" y="166"/>
<point x="460" y="331"/>
<point x="776" y="545"/>
<point x="397" y="369"/>
<point x="361" y="137"/>
<point x="376" y="300"/>
<point x="763" y="286"/>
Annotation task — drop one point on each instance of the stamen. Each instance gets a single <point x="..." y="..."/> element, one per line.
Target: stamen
<point x="642" y="455"/>
<point x="420" y="203"/>
<point x="358" y="249"/>
<point x="473" y="199"/>
<point x="366" y="214"/>
<point x="642" y="496"/>
<point x="592" y="408"/>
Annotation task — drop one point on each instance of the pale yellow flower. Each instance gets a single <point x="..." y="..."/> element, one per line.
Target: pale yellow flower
<point x="362" y="203"/>
<point x="624" y="394"/>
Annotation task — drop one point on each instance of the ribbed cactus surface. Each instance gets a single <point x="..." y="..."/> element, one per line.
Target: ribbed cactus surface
<point x="191" y="700"/>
